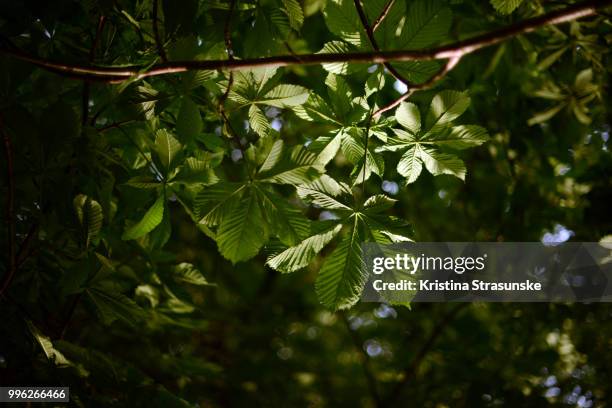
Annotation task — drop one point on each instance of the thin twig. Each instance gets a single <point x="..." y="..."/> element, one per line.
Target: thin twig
<point x="142" y="153"/>
<point x="365" y="361"/>
<point x="92" y="57"/>
<point x="227" y="34"/>
<point x="71" y="310"/>
<point x="411" y="370"/>
<point x="370" y="33"/>
<point x="158" y="41"/>
<point x="21" y="253"/>
<point x="10" y="209"/>
<point x="383" y="15"/>
<point x="449" y="65"/>
<point x="367" y="138"/>
<point x="115" y="125"/>
<point x="457" y="49"/>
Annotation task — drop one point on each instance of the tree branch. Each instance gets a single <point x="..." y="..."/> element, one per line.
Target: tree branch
<point x="383" y="15"/>
<point x="454" y="50"/>
<point x="158" y="42"/>
<point x="10" y="211"/>
<point x="370" y="33"/>
<point x="411" y="370"/>
<point x="449" y="65"/>
<point x="457" y="49"/>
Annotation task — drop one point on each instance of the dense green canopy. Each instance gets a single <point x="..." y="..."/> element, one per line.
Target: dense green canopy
<point x="186" y="187"/>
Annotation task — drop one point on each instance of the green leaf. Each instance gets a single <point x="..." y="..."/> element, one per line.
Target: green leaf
<point x="186" y="272"/>
<point x="375" y="82"/>
<point x="551" y="59"/>
<point x="408" y="115"/>
<point x="151" y="219"/>
<point x="194" y="79"/>
<point x="326" y="148"/>
<point x="354" y="150"/>
<point x="214" y="202"/>
<point x="459" y="137"/>
<point x="188" y="123"/>
<point x="160" y="235"/>
<point x="297" y="168"/>
<point x="417" y="72"/>
<point x="144" y="183"/>
<point x="115" y="306"/>
<point x="342" y="20"/>
<point x="340" y="94"/>
<point x="166" y="147"/>
<point x="340" y="68"/>
<point x="506" y="6"/>
<point x="317" y="110"/>
<point x="441" y="163"/>
<point x="410" y="165"/>
<point x="242" y="231"/>
<point x="273" y="157"/>
<point x="377" y="204"/>
<point x="546" y="115"/>
<point x="424" y="149"/>
<point x="258" y="121"/>
<point x="107" y="369"/>
<point x="285" y="221"/>
<point x="295" y="13"/>
<point x="324" y="192"/>
<point x="89" y="213"/>
<point x="46" y="344"/>
<point x="196" y="172"/>
<point x="387" y="32"/>
<point x="302" y="254"/>
<point x="285" y="95"/>
<point x="427" y="22"/>
<point x="445" y="107"/>
<point x="583" y="79"/>
<point x="342" y="276"/>
<point x="251" y="86"/>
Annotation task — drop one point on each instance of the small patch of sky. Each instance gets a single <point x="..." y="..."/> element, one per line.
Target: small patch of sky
<point x="277" y="124"/>
<point x="355" y="322"/>
<point x="559" y="235"/>
<point x="550" y="381"/>
<point x="385" y="311"/>
<point x="328" y="215"/>
<point x="390" y="187"/>
<point x="272" y="112"/>
<point x="552" y="392"/>
<point x="584" y="402"/>
<point x="373" y="348"/>
<point x="563" y="169"/>
<point x="400" y="87"/>
<point x="236" y="155"/>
